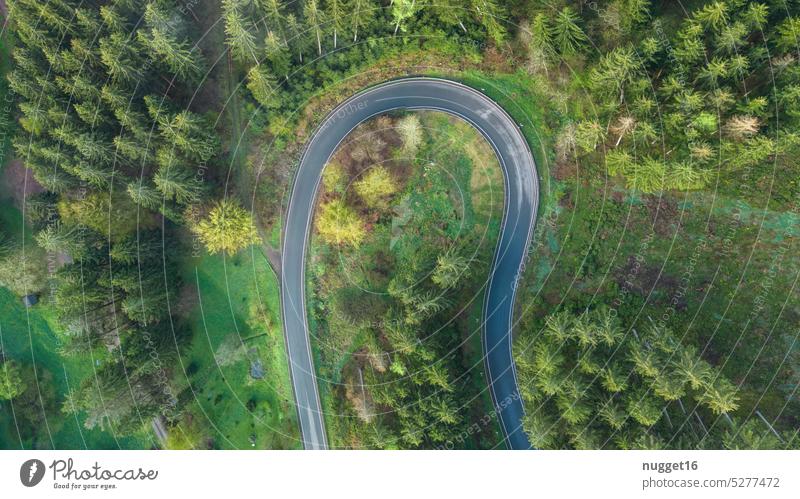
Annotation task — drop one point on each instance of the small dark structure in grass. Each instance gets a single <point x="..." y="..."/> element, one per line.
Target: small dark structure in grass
<point x="257" y="369"/>
<point x="30" y="300"/>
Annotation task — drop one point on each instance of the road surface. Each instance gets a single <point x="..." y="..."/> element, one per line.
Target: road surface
<point x="521" y="202"/>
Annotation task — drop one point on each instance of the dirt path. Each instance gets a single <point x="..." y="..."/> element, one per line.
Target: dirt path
<point x="274" y="257"/>
<point x="273" y="254"/>
<point x="238" y="138"/>
<point x="4" y="12"/>
<point x="13" y="182"/>
<point x="238" y="175"/>
<point x="160" y="430"/>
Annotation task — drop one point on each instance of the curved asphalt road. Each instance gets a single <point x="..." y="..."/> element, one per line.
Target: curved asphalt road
<point x="521" y="201"/>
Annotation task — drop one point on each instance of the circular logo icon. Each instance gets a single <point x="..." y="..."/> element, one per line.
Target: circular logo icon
<point x="31" y="472"/>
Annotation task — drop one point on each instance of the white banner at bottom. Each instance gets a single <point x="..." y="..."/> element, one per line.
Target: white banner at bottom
<point x="407" y="474"/>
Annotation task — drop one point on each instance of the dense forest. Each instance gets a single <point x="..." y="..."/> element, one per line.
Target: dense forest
<point x="657" y="309"/>
<point x="597" y="385"/>
<point x="656" y="279"/>
<point x="107" y="131"/>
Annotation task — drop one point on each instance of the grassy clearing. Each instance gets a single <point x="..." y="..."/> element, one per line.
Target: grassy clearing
<point x="30" y="336"/>
<point x="235" y="318"/>
<point x="232" y="303"/>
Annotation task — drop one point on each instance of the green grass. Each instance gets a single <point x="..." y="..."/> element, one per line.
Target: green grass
<point x="29" y="336"/>
<point x="275" y="235"/>
<point x="238" y="299"/>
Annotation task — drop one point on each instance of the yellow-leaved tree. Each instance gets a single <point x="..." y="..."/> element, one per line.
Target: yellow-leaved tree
<point x="228" y="228"/>
<point x="376" y="186"/>
<point x="334" y="178"/>
<point x="410" y="130"/>
<point x="337" y="223"/>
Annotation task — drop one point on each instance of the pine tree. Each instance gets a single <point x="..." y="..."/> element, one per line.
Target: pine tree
<point x="540" y="42"/>
<point x="228" y="228"/>
<point x="295" y="38"/>
<point x="567" y="34"/>
<point x="721" y="397"/>
<point x="490" y="15"/>
<point x="616" y="70"/>
<point x="61" y="238"/>
<point x="334" y="13"/>
<point x="361" y="11"/>
<point x="175" y="182"/>
<point x="163" y="39"/>
<point x="263" y="86"/>
<point x="145" y="195"/>
<point x="274" y="16"/>
<point x="277" y="55"/>
<point x="10" y="380"/>
<point x="645" y="409"/>
<point x="120" y="58"/>
<point x="714" y="15"/>
<point x="402" y="11"/>
<point x="145" y="305"/>
<point x="450" y="269"/>
<point x="449" y="12"/>
<point x="540" y="430"/>
<point x="239" y="31"/>
<point x="314" y="20"/>
<point x="190" y="133"/>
